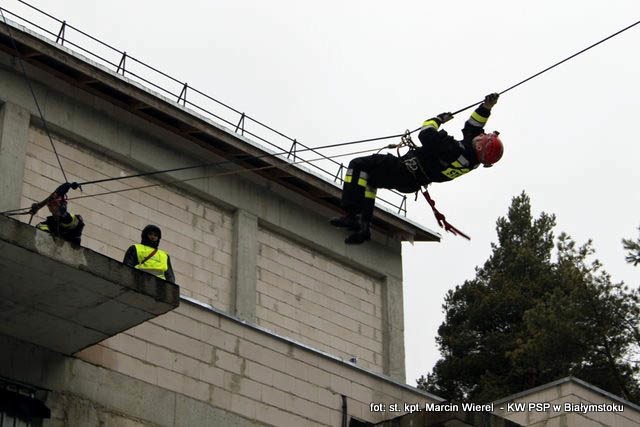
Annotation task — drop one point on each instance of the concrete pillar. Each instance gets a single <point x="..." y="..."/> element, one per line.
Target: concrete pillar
<point x="393" y="329"/>
<point x="14" y="129"/>
<point x="245" y="258"/>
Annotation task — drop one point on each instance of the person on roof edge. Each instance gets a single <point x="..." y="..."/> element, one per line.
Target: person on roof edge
<point x="440" y="158"/>
<point x="61" y="222"/>
<point x="147" y="257"/>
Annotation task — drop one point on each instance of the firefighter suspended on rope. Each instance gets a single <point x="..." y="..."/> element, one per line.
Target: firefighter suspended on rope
<point x="61" y="222"/>
<point x="441" y="158"/>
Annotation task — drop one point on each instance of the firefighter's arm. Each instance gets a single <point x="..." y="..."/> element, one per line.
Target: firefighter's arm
<point x="435" y="142"/>
<point x="475" y="124"/>
<point x="436" y="121"/>
<point x="481" y="114"/>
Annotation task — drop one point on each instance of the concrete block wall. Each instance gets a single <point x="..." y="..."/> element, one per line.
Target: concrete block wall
<point x="228" y="365"/>
<point x="300" y="294"/>
<point x="318" y="301"/>
<point x="196" y="234"/>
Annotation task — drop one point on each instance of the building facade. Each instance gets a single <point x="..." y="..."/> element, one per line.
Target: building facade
<point x="277" y="322"/>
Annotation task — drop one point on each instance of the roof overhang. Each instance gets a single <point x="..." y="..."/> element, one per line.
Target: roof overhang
<point x="133" y="97"/>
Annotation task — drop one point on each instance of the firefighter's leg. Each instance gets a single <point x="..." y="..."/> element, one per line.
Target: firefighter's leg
<point x="363" y="232"/>
<point x="353" y="193"/>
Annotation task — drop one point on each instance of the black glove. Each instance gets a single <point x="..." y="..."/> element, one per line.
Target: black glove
<point x="490" y="100"/>
<point x="35" y="207"/>
<point x="64" y="188"/>
<point x="443" y="118"/>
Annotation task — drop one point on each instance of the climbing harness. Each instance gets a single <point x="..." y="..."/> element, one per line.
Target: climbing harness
<point x="413" y="165"/>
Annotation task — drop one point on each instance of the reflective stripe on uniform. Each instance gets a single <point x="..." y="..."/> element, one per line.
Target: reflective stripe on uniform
<point x="72" y="224"/>
<point x="362" y="181"/>
<point x="370" y="193"/>
<point x="348" y="176"/>
<point x="463" y="161"/>
<point x="157" y="265"/>
<point x="477" y="120"/>
<point x="430" y="123"/>
<point x="457" y="168"/>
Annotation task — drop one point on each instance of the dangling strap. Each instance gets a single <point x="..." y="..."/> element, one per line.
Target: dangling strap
<point x="442" y="221"/>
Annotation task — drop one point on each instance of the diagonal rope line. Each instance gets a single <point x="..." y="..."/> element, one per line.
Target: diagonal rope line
<point x="555" y="65"/>
<point x="33" y="93"/>
<point x="248" y="157"/>
<point x="24" y="211"/>
<point x="226" y="173"/>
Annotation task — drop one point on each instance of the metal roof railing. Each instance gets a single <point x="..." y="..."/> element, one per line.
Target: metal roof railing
<point x="184" y="94"/>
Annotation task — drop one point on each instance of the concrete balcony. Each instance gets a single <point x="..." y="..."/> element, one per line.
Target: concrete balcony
<point x="67" y="298"/>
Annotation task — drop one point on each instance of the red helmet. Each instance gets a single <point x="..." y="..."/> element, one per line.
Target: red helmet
<point x="488" y="147"/>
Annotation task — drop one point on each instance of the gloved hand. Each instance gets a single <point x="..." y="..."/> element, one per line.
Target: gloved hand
<point x="490" y="100"/>
<point x="35" y="207"/>
<point x="64" y="188"/>
<point x="444" y="117"/>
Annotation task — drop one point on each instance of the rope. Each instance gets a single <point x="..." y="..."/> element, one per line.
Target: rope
<point x="405" y="135"/>
<point x="25" y="211"/>
<point x="226" y="173"/>
<point x="554" y="65"/>
<point x="33" y="94"/>
<point x="442" y="221"/>
<point x="261" y="156"/>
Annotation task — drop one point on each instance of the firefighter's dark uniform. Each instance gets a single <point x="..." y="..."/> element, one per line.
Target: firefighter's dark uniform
<point x="62" y="223"/>
<point x="69" y="227"/>
<point x="440" y="158"/>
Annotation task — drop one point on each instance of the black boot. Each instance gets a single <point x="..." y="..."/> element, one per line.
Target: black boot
<point x="361" y="235"/>
<point x="349" y="221"/>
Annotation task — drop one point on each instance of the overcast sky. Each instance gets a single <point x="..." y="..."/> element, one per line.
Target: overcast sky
<point x="335" y="71"/>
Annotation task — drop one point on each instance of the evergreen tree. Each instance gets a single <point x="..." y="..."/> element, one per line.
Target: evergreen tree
<point x="526" y="319"/>
<point x="633" y="256"/>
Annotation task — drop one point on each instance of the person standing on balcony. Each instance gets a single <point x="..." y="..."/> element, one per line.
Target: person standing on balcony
<point x="147" y="257"/>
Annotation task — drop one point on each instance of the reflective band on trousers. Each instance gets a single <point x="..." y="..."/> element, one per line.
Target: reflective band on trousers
<point x="362" y="180"/>
<point x="370" y="192"/>
<point x="156" y="265"/>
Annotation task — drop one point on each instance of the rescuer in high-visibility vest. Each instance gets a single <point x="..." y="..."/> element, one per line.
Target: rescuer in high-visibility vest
<point x="147" y="257"/>
<point x="61" y="222"/>
<point x="440" y="158"/>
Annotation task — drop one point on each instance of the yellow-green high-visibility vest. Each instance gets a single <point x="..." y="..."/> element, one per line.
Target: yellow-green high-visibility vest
<point x="157" y="264"/>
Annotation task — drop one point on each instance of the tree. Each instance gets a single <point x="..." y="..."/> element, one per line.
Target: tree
<point x="633" y="256"/>
<point x="526" y="319"/>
